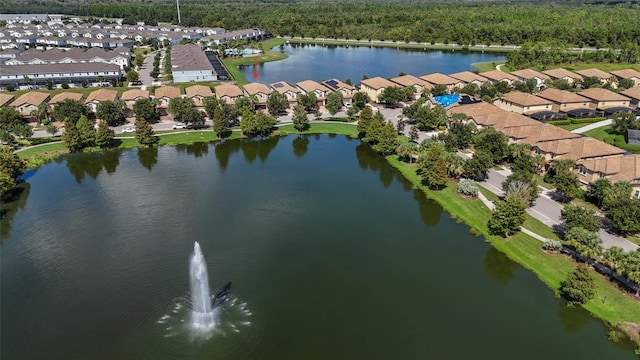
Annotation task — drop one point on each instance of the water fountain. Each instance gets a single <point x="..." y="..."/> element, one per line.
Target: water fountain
<point x="203" y="316"/>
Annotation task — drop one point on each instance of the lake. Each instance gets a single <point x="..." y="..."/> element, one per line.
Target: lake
<point x="332" y="255"/>
<point x="318" y="62"/>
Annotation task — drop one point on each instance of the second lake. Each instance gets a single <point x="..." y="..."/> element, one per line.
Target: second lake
<point x="320" y="62"/>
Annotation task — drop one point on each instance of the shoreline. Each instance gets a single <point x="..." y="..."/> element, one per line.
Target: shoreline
<point x="232" y="63"/>
<point x="523" y="249"/>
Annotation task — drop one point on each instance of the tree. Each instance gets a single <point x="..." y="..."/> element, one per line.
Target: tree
<point x="52" y="129"/>
<point x="433" y="168"/>
<point x="265" y="124"/>
<point x="211" y="106"/>
<point x="111" y="112"/>
<point x="248" y="124"/>
<point x="614" y="256"/>
<point x="619" y="192"/>
<point x="220" y="123"/>
<point x="71" y="136"/>
<point x="623" y="121"/>
<point x="597" y="190"/>
<point x="144" y="133"/>
<point x="104" y="135"/>
<point x="579" y="286"/>
<point x="508" y="216"/>
<point x="276" y="103"/>
<point x="586" y="242"/>
<point x="308" y="101"/>
<point x="439" y="90"/>
<point x="193" y="117"/>
<point x="470" y="89"/>
<point x="478" y="166"/>
<point x="300" y="120"/>
<point x="623" y="216"/>
<point x="334" y="102"/>
<point x="460" y="133"/>
<point x="145" y="109"/>
<point x="577" y="216"/>
<point x="69" y="108"/>
<point x="246" y="102"/>
<point x="492" y="142"/>
<point x="87" y="132"/>
<point x="132" y="76"/>
<point x="179" y="107"/>
<point x="364" y="121"/>
<point x="11" y="168"/>
<point x="524" y="185"/>
<point x="387" y="139"/>
<point x="565" y="180"/>
<point x="391" y="96"/>
<point x="10" y="118"/>
<point x="413" y="133"/>
<point x="631" y="267"/>
<point x="407" y="151"/>
<point x="360" y="100"/>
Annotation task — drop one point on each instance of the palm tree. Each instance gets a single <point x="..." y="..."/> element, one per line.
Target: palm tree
<point x="614" y="257"/>
<point x="587" y="243"/>
<point x="631" y="267"/>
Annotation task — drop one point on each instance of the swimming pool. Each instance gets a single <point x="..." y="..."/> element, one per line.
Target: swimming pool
<point x="447" y="100"/>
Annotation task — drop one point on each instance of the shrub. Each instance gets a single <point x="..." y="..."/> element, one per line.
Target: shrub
<point x="586" y="121"/>
<point x="552" y="245"/>
<point x="579" y="286"/>
<point x="560" y="122"/>
<point x="468" y="187"/>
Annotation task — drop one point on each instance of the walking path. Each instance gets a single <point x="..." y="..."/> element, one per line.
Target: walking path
<point x="586" y="128"/>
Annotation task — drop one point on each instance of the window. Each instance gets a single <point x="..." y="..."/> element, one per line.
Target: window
<point x="637" y="194"/>
<point x="582" y="170"/>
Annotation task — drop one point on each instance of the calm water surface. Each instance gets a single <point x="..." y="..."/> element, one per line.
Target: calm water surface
<point x="334" y="255"/>
<point x="318" y="62"/>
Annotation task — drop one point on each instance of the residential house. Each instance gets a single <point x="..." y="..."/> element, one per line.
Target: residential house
<point x="498" y="76"/>
<point x="59" y="73"/>
<point x="633" y="94"/>
<point x="630" y="74"/>
<point x="164" y="94"/>
<point x="504" y="120"/>
<point x="603" y="76"/>
<point x="373" y="87"/>
<point x="29" y="102"/>
<point x="6" y="99"/>
<point x="442" y="79"/>
<point x="522" y="103"/>
<point x="260" y="91"/>
<point x="615" y="168"/>
<point x="564" y="100"/>
<point x="228" y="93"/>
<point x="529" y="74"/>
<point x="60" y="97"/>
<point x="310" y="86"/>
<point x="468" y="77"/>
<point x="131" y="96"/>
<point x="410" y="80"/>
<point x="190" y="64"/>
<point x="576" y="149"/>
<point x="537" y="133"/>
<point x="290" y="91"/>
<point x="98" y="96"/>
<point x="197" y="93"/>
<point x="336" y="85"/>
<point x="603" y="99"/>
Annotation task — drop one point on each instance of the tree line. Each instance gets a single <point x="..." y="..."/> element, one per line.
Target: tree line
<point x="592" y="25"/>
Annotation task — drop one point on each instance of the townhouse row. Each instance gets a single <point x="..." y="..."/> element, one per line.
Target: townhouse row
<point x="594" y="159"/>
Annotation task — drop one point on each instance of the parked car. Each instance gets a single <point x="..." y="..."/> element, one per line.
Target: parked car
<point x="128" y="130"/>
<point x="179" y="126"/>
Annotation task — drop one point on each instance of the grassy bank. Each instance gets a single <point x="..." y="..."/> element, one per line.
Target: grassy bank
<point x="489" y="65"/>
<point x="322" y="128"/>
<point x="551" y="269"/>
<point x="232" y="63"/>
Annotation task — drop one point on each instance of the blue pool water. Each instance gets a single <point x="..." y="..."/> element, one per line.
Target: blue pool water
<point x="447" y="100"/>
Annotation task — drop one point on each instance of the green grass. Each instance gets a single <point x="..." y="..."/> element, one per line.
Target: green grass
<point x="607" y="135"/>
<point x="601" y="66"/>
<point x="50" y="147"/>
<point x="571" y="127"/>
<point x="551" y="269"/>
<point x="489" y="65"/>
<point x="322" y="128"/>
<point x="232" y="63"/>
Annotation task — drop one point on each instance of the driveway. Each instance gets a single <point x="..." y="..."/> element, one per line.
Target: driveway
<point x="145" y="71"/>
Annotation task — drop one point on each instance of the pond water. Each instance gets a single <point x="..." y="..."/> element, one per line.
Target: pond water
<point x="331" y="255"/>
<point x="321" y="62"/>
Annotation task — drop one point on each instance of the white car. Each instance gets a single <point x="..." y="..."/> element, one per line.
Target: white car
<point x="179" y="126"/>
<point x="128" y="130"/>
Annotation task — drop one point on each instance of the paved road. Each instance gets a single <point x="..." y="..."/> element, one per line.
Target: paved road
<point x="145" y="71"/>
<point x="592" y="126"/>
<point x="548" y="210"/>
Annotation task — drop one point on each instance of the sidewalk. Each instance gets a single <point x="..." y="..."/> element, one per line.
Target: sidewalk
<point x="586" y="128"/>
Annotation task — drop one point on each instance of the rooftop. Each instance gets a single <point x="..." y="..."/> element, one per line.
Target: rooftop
<point x="562" y="96"/>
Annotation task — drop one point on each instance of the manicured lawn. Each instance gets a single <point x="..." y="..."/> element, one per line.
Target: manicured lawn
<point x="489" y="65"/>
<point x="571" y="127"/>
<point x="605" y="134"/>
<point x="232" y="63"/>
<point x="601" y="66"/>
<point x="322" y="128"/>
<point x="551" y="269"/>
<point x="51" y="147"/>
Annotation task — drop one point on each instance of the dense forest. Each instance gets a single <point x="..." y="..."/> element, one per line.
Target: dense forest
<point x="466" y="23"/>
